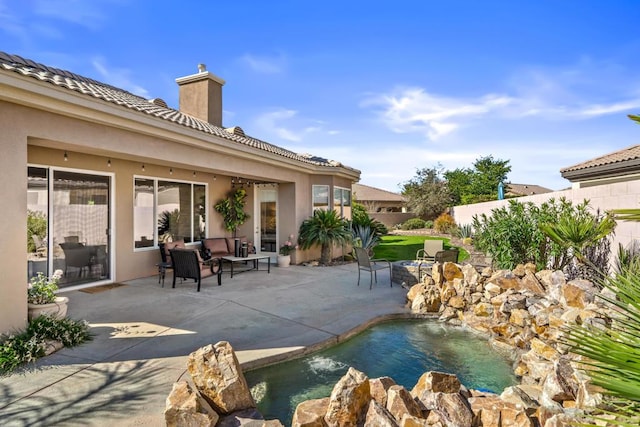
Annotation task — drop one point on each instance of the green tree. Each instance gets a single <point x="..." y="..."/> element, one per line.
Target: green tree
<point x="478" y="184"/>
<point x="324" y="228"/>
<point x="459" y="184"/>
<point x="232" y="210"/>
<point x="634" y="118"/>
<point x="427" y="193"/>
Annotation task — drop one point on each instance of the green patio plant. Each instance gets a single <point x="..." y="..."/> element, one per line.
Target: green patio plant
<point x="28" y="345"/>
<point x="42" y="289"/>
<point x="325" y="228"/>
<point x="232" y="210"/>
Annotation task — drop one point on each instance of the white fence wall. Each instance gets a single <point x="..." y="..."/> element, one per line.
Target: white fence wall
<point x="621" y="195"/>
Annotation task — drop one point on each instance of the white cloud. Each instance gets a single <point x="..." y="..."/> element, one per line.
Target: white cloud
<point x="265" y="64"/>
<point x="89" y="14"/>
<point x="271" y="122"/>
<point x="288" y="125"/>
<point x="119" y="77"/>
<point x="415" y="110"/>
<point x="585" y="91"/>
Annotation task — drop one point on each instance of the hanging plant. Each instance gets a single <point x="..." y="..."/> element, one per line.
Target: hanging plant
<point x="232" y="210"/>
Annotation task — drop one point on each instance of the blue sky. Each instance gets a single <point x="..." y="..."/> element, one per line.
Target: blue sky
<point x="385" y="87"/>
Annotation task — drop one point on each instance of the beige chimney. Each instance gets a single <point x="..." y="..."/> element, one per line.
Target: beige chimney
<point x="201" y="95"/>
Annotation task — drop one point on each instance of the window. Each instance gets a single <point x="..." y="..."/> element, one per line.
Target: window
<point x="320" y="197"/>
<point x="342" y="201"/>
<point x="168" y="210"/>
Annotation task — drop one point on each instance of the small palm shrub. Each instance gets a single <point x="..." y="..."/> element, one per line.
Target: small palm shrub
<point x="445" y="224"/>
<point x="325" y="228"/>
<point x="628" y="258"/>
<point x="413" y="224"/>
<point x="611" y="350"/>
<point x="465" y="231"/>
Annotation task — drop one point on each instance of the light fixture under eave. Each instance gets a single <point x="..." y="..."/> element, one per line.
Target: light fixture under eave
<point x="109" y="163"/>
<point x="143" y="167"/>
<point x="214" y="177"/>
<point x="170" y="171"/>
<point x="194" y="174"/>
<point x="66" y="156"/>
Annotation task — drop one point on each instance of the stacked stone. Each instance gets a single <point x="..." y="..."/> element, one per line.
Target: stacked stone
<point x="525" y="314"/>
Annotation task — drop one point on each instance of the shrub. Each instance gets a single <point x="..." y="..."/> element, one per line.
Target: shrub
<point x="445" y="224"/>
<point x="413" y="224"/>
<point x="428" y="224"/>
<point x="512" y="235"/>
<point x="29" y="345"/>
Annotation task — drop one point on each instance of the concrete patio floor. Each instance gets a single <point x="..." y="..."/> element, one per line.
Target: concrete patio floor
<point x="144" y="333"/>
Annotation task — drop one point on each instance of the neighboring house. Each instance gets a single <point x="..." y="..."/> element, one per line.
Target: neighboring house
<point x="385" y="206"/>
<point x="100" y="168"/>
<point x="378" y="200"/>
<point x="619" y="166"/>
<point x="519" y="190"/>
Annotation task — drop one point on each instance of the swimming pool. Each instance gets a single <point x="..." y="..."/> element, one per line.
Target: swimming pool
<point x="402" y="350"/>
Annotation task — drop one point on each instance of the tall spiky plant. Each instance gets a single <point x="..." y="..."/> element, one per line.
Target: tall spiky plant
<point x="612" y="352"/>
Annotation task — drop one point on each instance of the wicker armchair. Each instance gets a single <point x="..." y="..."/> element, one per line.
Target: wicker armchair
<point x="187" y="264"/>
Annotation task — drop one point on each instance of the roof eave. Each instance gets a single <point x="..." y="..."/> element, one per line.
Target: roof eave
<point x="603" y="171"/>
<point x="47" y="97"/>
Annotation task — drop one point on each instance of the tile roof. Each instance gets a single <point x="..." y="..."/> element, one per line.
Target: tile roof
<point x="153" y="107"/>
<point x="366" y="193"/>
<point x="629" y="153"/>
<point x="526" y="189"/>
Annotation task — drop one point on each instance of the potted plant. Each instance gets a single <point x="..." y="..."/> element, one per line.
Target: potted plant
<point x="42" y="298"/>
<point x="284" y="255"/>
<point x="232" y="210"/>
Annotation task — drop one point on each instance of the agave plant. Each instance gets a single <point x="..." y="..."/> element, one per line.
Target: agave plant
<point x="365" y="237"/>
<point x="324" y="228"/>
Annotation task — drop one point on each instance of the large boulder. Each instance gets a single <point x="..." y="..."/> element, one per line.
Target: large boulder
<point x="246" y="418"/>
<point x="436" y="382"/>
<point x="310" y="413"/>
<point x="216" y="373"/>
<point x="349" y="400"/>
<point x="378" y="388"/>
<point x="452" y="408"/>
<point x="184" y="407"/>
<point x="378" y="416"/>
<point x="400" y="402"/>
<point x="578" y="293"/>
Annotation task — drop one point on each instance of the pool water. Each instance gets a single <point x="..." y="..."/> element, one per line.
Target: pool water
<point x="402" y="350"/>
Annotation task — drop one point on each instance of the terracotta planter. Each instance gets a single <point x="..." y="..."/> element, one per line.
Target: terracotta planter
<point x="57" y="308"/>
<point x="284" y="260"/>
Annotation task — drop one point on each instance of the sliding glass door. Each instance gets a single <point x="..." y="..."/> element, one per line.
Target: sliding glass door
<point x="76" y="209"/>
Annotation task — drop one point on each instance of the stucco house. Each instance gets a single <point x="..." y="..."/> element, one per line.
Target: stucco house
<point x="619" y="166"/>
<point x="86" y="162"/>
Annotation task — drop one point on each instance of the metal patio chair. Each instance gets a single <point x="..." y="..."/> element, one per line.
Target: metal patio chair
<point x="371" y="265"/>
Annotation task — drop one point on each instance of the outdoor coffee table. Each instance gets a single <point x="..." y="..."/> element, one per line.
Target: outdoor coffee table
<point x="251" y="257"/>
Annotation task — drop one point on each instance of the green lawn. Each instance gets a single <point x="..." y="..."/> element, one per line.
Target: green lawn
<point x="395" y="248"/>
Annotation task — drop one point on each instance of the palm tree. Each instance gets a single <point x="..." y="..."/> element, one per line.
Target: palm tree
<point x="324" y="228"/>
<point x="612" y="351"/>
